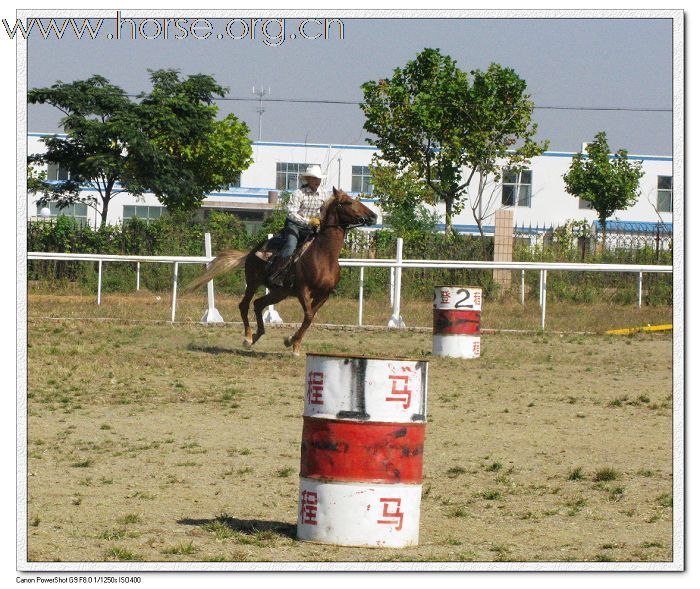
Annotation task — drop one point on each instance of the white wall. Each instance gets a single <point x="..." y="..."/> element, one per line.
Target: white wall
<point x="335" y="161"/>
<point x="550" y="204"/>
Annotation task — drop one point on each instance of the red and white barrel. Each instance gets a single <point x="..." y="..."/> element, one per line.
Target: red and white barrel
<point x="457" y="321"/>
<point x="362" y="450"/>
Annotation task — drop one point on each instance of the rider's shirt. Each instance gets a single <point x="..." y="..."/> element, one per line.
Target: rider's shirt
<point x="305" y="204"/>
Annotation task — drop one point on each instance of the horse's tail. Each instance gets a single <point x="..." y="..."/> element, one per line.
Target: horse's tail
<point x="225" y="261"/>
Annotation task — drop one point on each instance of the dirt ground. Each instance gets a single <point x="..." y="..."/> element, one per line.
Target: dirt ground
<point x="157" y="442"/>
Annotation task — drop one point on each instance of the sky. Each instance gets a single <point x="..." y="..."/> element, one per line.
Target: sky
<point x="612" y="75"/>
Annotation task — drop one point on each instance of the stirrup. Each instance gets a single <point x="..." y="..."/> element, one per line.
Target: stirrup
<point x="277" y="272"/>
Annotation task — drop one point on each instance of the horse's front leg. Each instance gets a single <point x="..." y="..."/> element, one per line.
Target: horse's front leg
<point x="310" y="305"/>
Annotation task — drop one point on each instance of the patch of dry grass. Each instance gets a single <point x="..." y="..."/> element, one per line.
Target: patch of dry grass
<point x="496" y="314"/>
<point x="141" y="435"/>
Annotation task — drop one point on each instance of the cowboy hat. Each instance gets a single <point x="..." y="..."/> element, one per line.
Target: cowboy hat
<point x="313" y="171"/>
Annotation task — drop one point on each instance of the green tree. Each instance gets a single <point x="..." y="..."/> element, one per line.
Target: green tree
<point x="273" y="222"/>
<point x="36" y="179"/>
<point x="188" y="151"/>
<point x="167" y="142"/>
<point x="608" y="182"/>
<point x="451" y="125"/>
<point x="400" y="195"/>
<point x="98" y="123"/>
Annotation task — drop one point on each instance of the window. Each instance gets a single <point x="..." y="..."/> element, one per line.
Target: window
<point x="664" y="194"/>
<point x="56" y="172"/>
<point x="77" y="210"/>
<point x="237" y="182"/>
<point x="147" y="213"/>
<point x="517" y="188"/>
<point x="584" y="204"/>
<point x="252" y="220"/>
<point x="361" y="180"/>
<point x="288" y="175"/>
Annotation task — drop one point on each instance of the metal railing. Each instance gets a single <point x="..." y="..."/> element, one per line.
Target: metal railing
<point x="395" y="264"/>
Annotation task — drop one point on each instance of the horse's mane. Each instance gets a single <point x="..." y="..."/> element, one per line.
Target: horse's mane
<point x="326" y="206"/>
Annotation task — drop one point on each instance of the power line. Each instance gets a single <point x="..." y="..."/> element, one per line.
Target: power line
<point x="354" y="103"/>
<point x="349" y="102"/>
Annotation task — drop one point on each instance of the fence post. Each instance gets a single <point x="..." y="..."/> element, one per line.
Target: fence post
<point x="396" y="319"/>
<point x="544" y="298"/>
<point x="361" y="297"/>
<point x="172" y="313"/>
<point x="541" y="287"/>
<point x="99" y="282"/>
<point x="211" y="315"/>
<point x="392" y="276"/>
<point x="271" y="315"/>
<point x="138" y="276"/>
<point x="639" y="291"/>
<point x="522" y="287"/>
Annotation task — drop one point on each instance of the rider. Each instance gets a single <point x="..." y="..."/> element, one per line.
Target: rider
<point x="303" y="217"/>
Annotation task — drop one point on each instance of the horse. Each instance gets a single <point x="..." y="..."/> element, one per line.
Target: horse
<point x="316" y="272"/>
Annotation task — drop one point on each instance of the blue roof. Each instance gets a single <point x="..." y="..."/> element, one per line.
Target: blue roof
<point x="640" y="226"/>
<point x="466" y="228"/>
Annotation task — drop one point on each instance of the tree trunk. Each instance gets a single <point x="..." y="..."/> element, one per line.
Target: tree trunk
<point x="103" y="212"/>
<point x="604" y="230"/>
<point x="448" y="215"/>
<point x="480" y="226"/>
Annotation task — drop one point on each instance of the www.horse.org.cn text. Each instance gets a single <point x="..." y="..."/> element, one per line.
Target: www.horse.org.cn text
<point x="270" y="31"/>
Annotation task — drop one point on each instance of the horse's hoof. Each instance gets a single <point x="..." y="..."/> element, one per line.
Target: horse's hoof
<point x="247" y="343"/>
<point x="288" y="342"/>
<point x="296" y="353"/>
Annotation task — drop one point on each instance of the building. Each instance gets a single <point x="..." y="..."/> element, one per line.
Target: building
<point x="536" y="195"/>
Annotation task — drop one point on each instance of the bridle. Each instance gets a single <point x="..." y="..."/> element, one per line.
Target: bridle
<point x="344" y="226"/>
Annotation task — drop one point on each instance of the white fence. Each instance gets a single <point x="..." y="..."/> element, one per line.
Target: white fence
<point x="396" y="264"/>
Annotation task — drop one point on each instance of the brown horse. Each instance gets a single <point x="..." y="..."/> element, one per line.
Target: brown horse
<point x="316" y="272"/>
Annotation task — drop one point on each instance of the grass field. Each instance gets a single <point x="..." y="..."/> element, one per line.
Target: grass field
<point x="502" y="314"/>
<point x="158" y="442"/>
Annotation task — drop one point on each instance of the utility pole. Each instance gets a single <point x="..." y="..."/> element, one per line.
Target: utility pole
<point x="260" y="93"/>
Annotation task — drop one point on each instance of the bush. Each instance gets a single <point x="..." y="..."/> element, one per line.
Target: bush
<point x="184" y="235"/>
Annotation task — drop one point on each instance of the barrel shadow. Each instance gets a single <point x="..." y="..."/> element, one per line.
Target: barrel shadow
<point x="244" y="526"/>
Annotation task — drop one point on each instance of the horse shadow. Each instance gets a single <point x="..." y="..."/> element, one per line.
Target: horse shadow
<point x="215" y="350"/>
<point x="249" y="527"/>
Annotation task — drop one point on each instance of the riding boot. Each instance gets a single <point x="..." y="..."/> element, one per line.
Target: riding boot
<point x="278" y="270"/>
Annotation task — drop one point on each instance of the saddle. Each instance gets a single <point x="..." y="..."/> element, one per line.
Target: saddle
<point x="275" y="243"/>
<point x="269" y="249"/>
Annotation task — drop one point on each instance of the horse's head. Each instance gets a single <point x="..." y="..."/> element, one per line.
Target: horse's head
<point x="341" y="209"/>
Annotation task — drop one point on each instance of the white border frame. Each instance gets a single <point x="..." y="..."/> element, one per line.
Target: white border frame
<point x="678" y="562"/>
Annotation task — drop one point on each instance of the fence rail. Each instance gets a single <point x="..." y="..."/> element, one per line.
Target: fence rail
<point x="395" y="264"/>
<point x="588" y="237"/>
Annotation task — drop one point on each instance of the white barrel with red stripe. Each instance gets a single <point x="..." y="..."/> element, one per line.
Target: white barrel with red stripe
<point x="362" y="450"/>
<point x="457" y="321"/>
